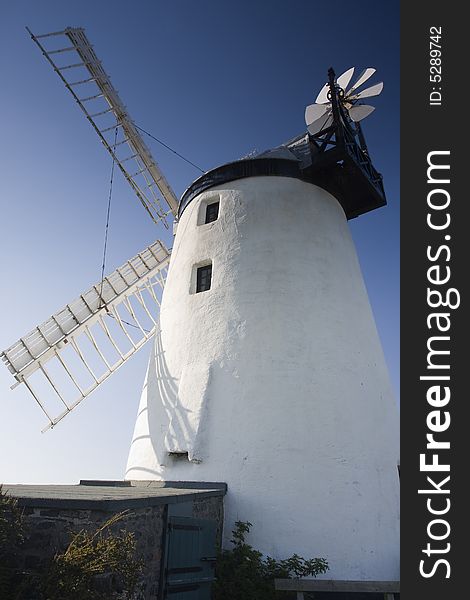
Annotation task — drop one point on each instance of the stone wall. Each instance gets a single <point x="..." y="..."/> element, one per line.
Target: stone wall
<point x="48" y="531"/>
<point x="213" y="509"/>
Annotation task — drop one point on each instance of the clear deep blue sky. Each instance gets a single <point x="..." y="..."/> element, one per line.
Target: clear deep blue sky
<point x="213" y="79"/>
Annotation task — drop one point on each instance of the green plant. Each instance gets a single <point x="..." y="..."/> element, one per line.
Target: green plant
<point x="11" y="538"/>
<point x="242" y="573"/>
<point x="95" y="566"/>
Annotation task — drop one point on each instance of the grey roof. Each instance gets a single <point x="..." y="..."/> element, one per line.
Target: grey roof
<point x="298" y="149"/>
<point x="280" y="152"/>
<point x="112" y="495"/>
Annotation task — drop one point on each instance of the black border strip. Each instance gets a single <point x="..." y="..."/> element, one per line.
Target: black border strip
<point x="427" y="128"/>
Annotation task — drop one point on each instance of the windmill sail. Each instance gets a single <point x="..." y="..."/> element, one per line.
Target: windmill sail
<point x="74" y="351"/>
<point x="83" y="75"/>
<point x="319" y="116"/>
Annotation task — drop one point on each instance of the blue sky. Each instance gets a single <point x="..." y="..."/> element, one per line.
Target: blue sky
<point x="213" y="79"/>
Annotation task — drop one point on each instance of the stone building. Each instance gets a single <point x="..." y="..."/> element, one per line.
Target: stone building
<point x="177" y="526"/>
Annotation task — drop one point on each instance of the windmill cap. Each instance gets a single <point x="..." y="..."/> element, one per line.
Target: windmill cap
<point x="338" y="172"/>
<point x="276" y="162"/>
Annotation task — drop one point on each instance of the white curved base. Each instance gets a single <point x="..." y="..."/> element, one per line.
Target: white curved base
<point x="274" y="380"/>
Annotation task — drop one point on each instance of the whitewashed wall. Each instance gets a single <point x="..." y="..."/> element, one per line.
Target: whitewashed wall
<point x="274" y="380"/>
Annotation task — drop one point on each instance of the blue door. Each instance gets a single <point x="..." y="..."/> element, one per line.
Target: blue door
<point x="190" y="558"/>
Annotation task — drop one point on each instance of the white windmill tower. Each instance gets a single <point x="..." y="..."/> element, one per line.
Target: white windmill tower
<point x="266" y="371"/>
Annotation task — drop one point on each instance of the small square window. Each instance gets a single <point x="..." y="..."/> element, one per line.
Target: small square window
<point x="203" y="278"/>
<point x="212" y="212"/>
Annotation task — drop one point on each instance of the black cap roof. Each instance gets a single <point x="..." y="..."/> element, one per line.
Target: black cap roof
<point x="345" y="171"/>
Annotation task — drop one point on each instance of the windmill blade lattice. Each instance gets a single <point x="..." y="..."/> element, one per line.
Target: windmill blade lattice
<point x="68" y="356"/>
<point x="85" y="78"/>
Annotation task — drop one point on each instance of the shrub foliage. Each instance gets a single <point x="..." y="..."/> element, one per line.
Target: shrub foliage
<point x="95" y="566"/>
<point x="242" y="573"/>
<point x="11" y="538"/>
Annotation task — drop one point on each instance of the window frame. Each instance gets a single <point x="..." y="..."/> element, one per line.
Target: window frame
<point x="198" y="277"/>
<point x="202" y="209"/>
<point x="209" y="206"/>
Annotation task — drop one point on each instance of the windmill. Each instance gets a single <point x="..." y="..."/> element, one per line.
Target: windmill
<point x="266" y="370"/>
